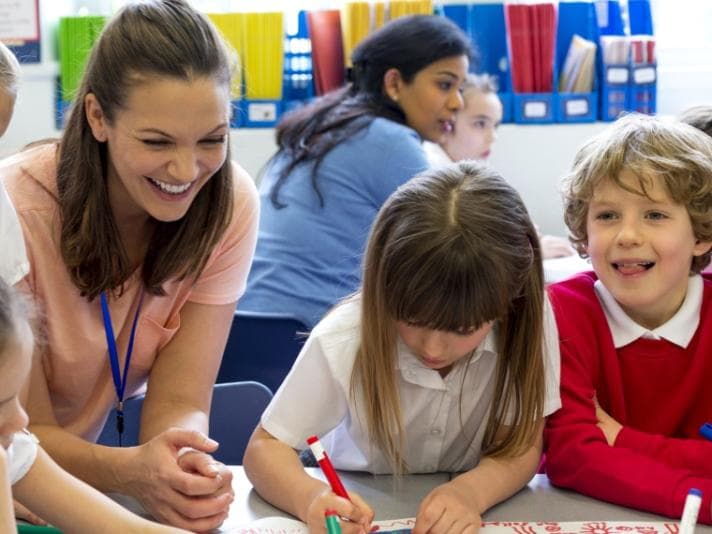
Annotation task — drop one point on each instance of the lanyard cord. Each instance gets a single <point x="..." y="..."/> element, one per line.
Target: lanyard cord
<point x="119" y="380"/>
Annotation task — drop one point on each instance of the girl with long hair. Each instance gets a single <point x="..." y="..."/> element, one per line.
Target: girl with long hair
<point x="446" y="360"/>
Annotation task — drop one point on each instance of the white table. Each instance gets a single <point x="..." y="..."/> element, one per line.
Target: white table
<point x="391" y="499"/>
<point x="538" y="501"/>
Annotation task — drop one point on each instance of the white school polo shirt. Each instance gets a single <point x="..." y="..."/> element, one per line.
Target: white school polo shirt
<point x="13" y="259"/>
<point x="679" y="329"/>
<point x="444" y="431"/>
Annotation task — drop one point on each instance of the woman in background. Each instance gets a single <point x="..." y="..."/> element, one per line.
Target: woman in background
<point x="340" y="158"/>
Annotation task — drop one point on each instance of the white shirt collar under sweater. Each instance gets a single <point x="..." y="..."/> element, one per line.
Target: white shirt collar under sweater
<point x="678" y="330"/>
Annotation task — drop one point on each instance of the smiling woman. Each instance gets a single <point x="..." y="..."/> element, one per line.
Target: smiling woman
<point x="139" y="205"/>
<point x="160" y="159"/>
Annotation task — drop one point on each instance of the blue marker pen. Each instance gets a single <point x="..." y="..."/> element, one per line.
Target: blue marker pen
<point x="706" y="431"/>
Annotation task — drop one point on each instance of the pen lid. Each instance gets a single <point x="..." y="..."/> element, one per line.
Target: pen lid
<point x="332" y="522"/>
<point x="706" y="431"/>
<point x="695" y="491"/>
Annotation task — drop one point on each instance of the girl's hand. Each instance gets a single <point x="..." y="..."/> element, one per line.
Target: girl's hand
<point x="26" y="515"/>
<point x="191" y="490"/>
<point x="356" y="515"/>
<point x="448" y="508"/>
<point x="607" y="424"/>
<point x="7" y="518"/>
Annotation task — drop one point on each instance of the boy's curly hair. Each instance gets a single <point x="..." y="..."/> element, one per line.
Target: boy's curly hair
<point x="676" y="153"/>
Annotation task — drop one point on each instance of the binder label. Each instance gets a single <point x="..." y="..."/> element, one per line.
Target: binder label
<point x="617" y="75"/>
<point x="575" y="108"/>
<point x="262" y="112"/>
<point x="644" y="75"/>
<point x="535" y="110"/>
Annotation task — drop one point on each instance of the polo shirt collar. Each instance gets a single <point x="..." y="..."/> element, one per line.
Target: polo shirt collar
<point x="679" y="329"/>
<point x="413" y="370"/>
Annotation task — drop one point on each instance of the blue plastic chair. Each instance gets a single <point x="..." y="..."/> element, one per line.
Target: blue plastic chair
<point x="261" y="347"/>
<point x="132" y="423"/>
<point x="235" y="411"/>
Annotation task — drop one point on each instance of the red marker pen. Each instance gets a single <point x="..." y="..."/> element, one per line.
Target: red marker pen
<point x="329" y="472"/>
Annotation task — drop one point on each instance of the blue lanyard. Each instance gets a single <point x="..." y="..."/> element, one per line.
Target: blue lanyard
<point x="119" y="381"/>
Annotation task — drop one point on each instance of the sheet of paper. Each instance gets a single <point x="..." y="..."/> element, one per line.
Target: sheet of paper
<point x="282" y="525"/>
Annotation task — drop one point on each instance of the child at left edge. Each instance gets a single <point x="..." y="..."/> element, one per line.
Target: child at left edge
<point x="13" y="260"/>
<point x="446" y="360"/>
<point x="27" y="473"/>
<point x="635" y="374"/>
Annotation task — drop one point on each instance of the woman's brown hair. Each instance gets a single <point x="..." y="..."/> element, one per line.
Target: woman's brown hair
<point x="158" y="38"/>
<point x="454" y="248"/>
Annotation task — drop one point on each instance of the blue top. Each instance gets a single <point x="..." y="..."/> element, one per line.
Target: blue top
<point x="308" y="256"/>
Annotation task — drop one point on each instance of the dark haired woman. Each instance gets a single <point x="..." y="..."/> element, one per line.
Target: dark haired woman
<point x="340" y="158"/>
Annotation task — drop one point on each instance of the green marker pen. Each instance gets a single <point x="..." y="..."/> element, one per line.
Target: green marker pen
<point x="37" y="529"/>
<point x="332" y="522"/>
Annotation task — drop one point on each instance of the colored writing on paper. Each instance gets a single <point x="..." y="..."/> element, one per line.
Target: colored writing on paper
<point x="404" y="526"/>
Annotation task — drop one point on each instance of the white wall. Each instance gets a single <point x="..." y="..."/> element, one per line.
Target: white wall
<point x="532" y="158"/>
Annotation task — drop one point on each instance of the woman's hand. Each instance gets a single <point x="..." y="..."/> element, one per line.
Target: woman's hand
<point x="448" y="508"/>
<point x="188" y="490"/>
<point x="356" y="515"/>
<point x="200" y="463"/>
<point x="607" y="424"/>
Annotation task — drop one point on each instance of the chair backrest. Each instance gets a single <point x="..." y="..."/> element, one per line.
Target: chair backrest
<point x="235" y="411"/>
<point x="261" y="347"/>
<point x="132" y="423"/>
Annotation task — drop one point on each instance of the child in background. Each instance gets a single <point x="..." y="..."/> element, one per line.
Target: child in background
<point x="475" y="127"/>
<point x="472" y="135"/>
<point x="446" y="360"/>
<point x="698" y="116"/>
<point x="36" y="480"/>
<point x="635" y="374"/>
<point x="13" y="260"/>
<point x="701" y="118"/>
